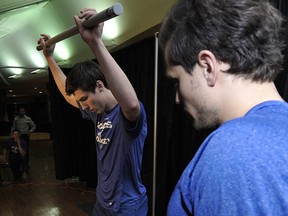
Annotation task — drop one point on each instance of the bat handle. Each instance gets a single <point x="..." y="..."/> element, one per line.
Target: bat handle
<point x="103" y="16"/>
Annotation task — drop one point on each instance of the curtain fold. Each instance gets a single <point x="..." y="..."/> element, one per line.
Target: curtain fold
<point x="73" y="139"/>
<point x="282" y="80"/>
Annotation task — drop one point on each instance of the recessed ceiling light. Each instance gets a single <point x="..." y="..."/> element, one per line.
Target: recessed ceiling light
<point x="37" y="71"/>
<point x="15" y="76"/>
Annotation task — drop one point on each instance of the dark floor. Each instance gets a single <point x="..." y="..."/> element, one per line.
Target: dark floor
<point x="42" y="194"/>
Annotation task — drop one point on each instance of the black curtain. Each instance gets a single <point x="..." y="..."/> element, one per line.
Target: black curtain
<point x="177" y="141"/>
<point x="73" y="139"/>
<point x="282" y="80"/>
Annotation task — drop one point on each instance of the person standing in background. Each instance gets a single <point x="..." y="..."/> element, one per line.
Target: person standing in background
<point x="26" y="126"/>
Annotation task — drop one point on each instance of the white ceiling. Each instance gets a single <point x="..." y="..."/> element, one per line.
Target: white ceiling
<point x="20" y="28"/>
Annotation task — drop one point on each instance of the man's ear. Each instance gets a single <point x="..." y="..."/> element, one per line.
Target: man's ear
<point x="99" y="85"/>
<point x="209" y="64"/>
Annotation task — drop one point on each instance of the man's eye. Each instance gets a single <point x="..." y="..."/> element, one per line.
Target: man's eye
<point x="175" y="83"/>
<point x="83" y="99"/>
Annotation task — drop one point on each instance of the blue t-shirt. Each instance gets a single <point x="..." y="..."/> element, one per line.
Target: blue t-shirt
<point x="240" y="169"/>
<point x="119" y="146"/>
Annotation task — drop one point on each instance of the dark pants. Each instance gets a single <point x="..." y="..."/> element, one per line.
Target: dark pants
<point x="18" y="166"/>
<point x="25" y="137"/>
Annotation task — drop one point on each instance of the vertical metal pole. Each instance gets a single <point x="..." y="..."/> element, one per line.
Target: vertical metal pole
<point x="155" y="123"/>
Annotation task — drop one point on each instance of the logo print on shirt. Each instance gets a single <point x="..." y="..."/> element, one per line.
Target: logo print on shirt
<point x="102" y="126"/>
<point x="15" y="149"/>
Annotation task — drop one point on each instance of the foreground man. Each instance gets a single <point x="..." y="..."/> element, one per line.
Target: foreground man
<point x="224" y="56"/>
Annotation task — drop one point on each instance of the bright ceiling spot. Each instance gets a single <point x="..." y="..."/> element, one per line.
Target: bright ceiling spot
<point x="111" y="30"/>
<point x="12" y="62"/>
<point x="61" y="51"/>
<point x="37" y="58"/>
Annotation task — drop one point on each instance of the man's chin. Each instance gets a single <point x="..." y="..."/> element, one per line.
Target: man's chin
<point x="200" y="126"/>
<point x="196" y="125"/>
<point x="97" y="111"/>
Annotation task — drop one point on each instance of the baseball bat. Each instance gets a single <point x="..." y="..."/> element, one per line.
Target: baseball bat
<point x="100" y="17"/>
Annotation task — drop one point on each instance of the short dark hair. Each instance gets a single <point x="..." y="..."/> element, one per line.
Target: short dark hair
<point x="247" y="34"/>
<point x="15" y="130"/>
<point x="83" y="76"/>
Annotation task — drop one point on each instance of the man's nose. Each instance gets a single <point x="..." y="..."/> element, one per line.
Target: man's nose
<point x="83" y="105"/>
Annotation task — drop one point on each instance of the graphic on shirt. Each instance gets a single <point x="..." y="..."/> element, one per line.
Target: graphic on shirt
<point x="101" y="126"/>
<point x="15" y="149"/>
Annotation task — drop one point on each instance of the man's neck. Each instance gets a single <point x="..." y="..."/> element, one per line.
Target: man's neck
<point x="243" y="97"/>
<point x="111" y="102"/>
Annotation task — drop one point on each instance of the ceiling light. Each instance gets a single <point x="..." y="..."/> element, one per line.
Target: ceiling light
<point x="15" y="76"/>
<point x="37" y="71"/>
<point x="63" y="62"/>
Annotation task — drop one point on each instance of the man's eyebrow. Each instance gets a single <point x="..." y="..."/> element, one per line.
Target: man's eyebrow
<point x="173" y="79"/>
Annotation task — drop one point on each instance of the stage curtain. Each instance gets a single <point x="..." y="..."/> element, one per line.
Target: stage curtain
<point x="282" y="80"/>
<point x="73" y="139"/>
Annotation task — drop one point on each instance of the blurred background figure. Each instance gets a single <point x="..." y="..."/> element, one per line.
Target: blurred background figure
<point x="26" y="126"/>
<point x="15" y="154"/>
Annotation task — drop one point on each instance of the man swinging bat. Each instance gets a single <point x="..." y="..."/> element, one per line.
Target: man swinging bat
<point x="106" y="97"/>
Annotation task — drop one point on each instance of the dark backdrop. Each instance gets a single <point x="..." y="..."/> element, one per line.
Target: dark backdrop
<point x="177" y="141"/>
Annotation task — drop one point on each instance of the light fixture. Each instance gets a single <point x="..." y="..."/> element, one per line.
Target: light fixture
<point x="15" y="76"/>
<point x="37" y="71"/>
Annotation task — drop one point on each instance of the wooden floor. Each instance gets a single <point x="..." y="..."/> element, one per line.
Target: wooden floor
<point x="41" y="194"/>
